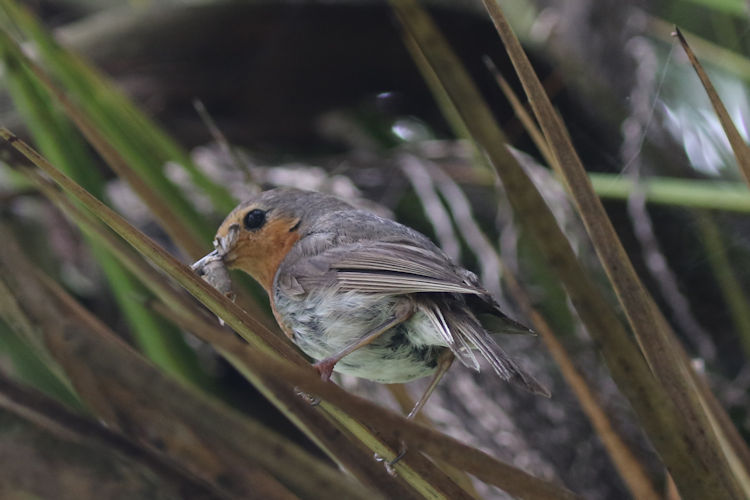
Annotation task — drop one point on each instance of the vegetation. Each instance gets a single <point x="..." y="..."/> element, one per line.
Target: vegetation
<point x="117" y="380"/>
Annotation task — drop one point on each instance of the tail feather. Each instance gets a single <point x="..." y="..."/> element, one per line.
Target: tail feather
<point x="456" y="343"/>
<point x="471" y="332"/>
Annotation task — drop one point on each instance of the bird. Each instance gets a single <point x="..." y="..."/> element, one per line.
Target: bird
<point x="361" y="294"/>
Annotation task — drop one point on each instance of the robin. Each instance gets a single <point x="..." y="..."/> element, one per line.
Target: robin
<point x="360" y="294"/>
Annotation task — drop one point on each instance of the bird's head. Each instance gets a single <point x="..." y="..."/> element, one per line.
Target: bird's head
<point x="256" y="236"/>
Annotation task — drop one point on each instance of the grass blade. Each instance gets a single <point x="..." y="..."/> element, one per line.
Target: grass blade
<point x="627" y="464"/>
<point x="711" y="195"/>
<point x="726" y="277"/>
<point x="58" y="420"/>
<point x="161" y="342"/>
<point x="32" y="88"/>
<point x="32" y="366"/>
<point x="739" y="146"/>
<point x="142" y="145"/>
<point x="665" y="356"/>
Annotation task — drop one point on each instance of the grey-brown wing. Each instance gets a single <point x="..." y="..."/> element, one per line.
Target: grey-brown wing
<point x="390" y="268"/>
<point x="380" y="267"/>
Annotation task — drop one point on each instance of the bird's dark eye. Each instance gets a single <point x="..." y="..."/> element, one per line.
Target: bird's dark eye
<point x="254" y="219"/>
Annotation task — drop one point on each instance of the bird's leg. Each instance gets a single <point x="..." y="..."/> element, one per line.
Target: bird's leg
<point x="445" y="360"/>
<point x="403" y="312"/>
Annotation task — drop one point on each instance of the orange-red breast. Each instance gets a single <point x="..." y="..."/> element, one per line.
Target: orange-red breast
<point x="361" y="294"/>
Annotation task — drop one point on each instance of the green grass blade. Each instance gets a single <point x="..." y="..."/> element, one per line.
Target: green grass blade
<point x="689" y="193"/>
<point x="53" y="132"/>
<point x="726" y="277"/>
<point x="32" y="369"/>
<point x="143" y="145"/>
<point x="733" y="7"/>
<point x="182" y="234"/>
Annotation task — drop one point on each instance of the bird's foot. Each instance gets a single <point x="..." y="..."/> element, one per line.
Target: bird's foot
<point x="401" y="454"/>
<point x="309" y="398"/>
<point x="325" y="368"/>
<point x="390" y="464"/>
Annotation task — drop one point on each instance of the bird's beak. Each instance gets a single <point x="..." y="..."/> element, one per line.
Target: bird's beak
<point x="199" y="266"/>
<point x="213" y="270"/>
<point x="212" y="267"/>
<point x="222" y="247"/>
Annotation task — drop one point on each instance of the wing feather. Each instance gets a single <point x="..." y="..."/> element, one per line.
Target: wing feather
<point x="393" y="283"/>
<point x="382" y="267"/>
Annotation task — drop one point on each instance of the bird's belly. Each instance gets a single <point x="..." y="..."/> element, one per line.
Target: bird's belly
<point x="390" y="359"/>
<point x="322" y="328"/>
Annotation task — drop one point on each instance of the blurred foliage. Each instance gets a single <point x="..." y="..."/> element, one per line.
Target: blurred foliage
<point x="293" y="105"/>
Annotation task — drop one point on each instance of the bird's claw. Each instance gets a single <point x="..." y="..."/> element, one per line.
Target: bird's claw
<point x="390" y="464"/>
<point x="309" y="398"/>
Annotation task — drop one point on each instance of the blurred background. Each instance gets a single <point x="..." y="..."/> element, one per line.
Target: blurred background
<point x="325" y="96"/>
